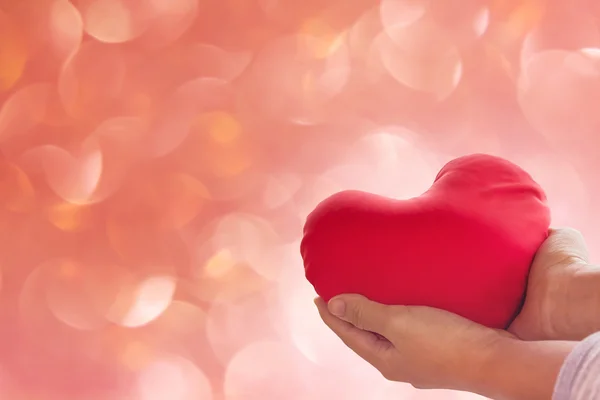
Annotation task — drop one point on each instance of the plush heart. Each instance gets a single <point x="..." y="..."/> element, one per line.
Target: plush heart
<point x="464" y="246"/>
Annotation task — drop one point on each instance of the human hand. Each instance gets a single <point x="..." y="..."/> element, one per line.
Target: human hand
<point x="426" y="347"/>
<point x="434" y="349"/>
<point x="557" y="296"/>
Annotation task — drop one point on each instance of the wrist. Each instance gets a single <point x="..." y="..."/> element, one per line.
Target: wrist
<point x="519" y="370"/>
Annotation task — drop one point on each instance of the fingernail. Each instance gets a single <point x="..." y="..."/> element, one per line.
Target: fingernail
<point x="337" y="307"/>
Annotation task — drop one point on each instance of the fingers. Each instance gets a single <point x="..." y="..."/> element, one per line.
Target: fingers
<point x="368" y="345"/>
<point x="362" y="313"/>
<point x="565" y="245"/>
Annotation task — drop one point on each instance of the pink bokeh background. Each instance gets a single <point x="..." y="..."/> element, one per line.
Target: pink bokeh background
<point x="159" y="157"/>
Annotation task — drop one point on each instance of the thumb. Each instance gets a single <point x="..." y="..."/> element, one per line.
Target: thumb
<point x="362" y="312"/>
<point x="564" y="245"/>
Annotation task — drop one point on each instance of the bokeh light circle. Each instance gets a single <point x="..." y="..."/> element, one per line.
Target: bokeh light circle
<point x="422" y="57"/>
<point x="175" y="378"/>
<point x="256" y="372"/>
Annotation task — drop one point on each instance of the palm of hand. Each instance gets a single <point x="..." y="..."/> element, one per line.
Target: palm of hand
<point x="548" y="311"/>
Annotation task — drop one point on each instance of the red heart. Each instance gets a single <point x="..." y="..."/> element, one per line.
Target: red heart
<point x="464" y="246"/>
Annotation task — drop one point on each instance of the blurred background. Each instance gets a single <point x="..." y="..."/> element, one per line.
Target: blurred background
<point x="159" y="157"/>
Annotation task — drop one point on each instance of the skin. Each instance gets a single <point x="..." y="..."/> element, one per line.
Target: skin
<point x="562" y="301"/>
<point x="431" y="348"/>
